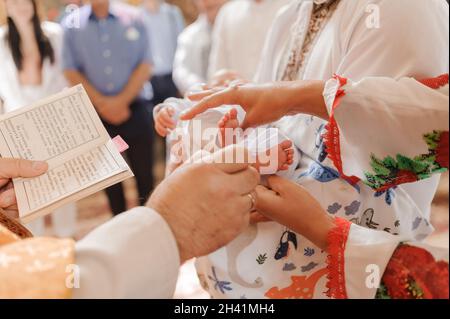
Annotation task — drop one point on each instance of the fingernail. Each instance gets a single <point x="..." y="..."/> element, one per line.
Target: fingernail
<point x="39" y="166"/>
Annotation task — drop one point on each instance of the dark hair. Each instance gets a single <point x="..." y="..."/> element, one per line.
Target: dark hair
<point x="44" y="45"/>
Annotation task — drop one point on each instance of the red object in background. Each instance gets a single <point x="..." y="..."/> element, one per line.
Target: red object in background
<point x="442" y="150"/>
<point x="413" y="273"/>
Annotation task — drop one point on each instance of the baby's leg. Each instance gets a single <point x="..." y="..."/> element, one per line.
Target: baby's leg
<point x="275" y="159"/>
<point x="227" y="128"/>
<point x="267" y="161"/>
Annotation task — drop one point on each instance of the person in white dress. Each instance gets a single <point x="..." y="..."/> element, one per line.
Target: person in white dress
<point x="412" y="126"/>
<point x="194" y="47"/>
<point x="313" y="40"/>
<point x="31" y="70"/>
<point x="239" y="35"/>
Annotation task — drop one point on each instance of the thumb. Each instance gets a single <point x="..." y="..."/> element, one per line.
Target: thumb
<point x="12" y="168"/>
<point x="232" y="159"/>
<point x="277" y="183"/>
<point x="267" y="201"/>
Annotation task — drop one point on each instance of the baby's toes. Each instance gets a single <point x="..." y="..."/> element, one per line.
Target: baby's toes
<point x="285" y="145"/>
<point x="233" y="114"/>
<point x="223" y="121"/>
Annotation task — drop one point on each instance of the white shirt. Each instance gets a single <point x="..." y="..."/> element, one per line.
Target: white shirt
<point x="12" y="92"/>
<point x="191" y="59"/>
<point x="134" y="255"/>
<point x="239" y="35"/>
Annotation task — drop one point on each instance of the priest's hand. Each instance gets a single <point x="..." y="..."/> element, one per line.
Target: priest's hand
<point x="12" y="168"/>
<point x="206" y="205"/>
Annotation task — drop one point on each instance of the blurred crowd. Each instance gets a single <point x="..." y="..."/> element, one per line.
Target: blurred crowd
<point x="129" y="56"/>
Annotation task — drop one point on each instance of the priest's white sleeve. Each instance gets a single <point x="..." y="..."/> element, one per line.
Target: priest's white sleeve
<point x="135" y="255"/>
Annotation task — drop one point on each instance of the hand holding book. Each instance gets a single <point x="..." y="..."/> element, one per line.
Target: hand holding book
<point x="65" y="131"/>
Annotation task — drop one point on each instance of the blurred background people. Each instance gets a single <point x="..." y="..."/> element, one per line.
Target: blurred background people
<point x="30" y="67"/>
<point x="109" y="54"/>
<point x="68" y="7"/>
<point x="238" y="37"/>
<point x="164" y="24"/>
<point x="194" y="47"/>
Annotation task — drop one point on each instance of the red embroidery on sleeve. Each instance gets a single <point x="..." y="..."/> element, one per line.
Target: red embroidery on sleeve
<point x="435" y="83"/>
<point x="337" y="240"/>
<point x="331" y="136"/>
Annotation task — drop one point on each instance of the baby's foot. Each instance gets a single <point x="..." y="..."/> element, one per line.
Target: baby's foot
<point x="229" y="121"/>
<point x="282" y="154"/>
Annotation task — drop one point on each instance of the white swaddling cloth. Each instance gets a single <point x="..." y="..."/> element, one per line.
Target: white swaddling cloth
<point x="202" y="133"/>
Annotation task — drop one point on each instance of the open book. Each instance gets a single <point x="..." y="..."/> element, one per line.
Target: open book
<point x="65" y="131"/>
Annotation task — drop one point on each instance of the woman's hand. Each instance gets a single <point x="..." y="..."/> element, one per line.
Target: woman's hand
<point x="291" y="205"/>
<point x="263" y="103"/>
<point x="12" y="168"/>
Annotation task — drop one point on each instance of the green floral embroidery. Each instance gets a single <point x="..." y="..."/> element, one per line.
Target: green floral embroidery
<point x="382" y="293"/>
<point x="412" y="289"/>
<point x="389" y="171"/>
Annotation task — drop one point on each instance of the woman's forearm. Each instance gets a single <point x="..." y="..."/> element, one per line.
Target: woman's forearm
<point x="305" y="97"/>
<point x="291" y="205"/>
<point x="317" y="224"/>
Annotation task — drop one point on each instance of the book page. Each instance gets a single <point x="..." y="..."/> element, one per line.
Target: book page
<point x="53" y="129"/>
<point x="68" y="178"/>
<point x="65" y="131"/>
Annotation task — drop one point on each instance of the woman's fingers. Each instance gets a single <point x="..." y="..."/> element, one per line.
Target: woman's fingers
<point x="211" y="100"/>
<point x="278" y="184"/>
<point x="267" y="201"/>
<point x="197" y="96"/>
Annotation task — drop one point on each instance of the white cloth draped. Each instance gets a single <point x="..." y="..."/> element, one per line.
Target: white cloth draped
<point x="135" y="255"/>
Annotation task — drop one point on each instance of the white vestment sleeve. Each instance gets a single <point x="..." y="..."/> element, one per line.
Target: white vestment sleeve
<point x="135" y="255"/>
<point x="185" y="65"/>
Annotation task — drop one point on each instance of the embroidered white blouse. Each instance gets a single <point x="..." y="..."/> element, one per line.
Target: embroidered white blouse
<point x="410" y="40"/>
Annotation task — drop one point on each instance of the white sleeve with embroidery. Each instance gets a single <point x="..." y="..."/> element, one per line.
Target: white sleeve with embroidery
<point x="366" y="264"/>
<point x="403" y="125"/>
